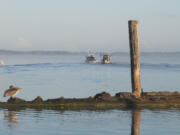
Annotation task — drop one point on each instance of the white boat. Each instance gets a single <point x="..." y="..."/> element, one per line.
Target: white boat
<point x="106" y="59"/>
<point x="91" y="59"/>
<point x="2" y="63"/>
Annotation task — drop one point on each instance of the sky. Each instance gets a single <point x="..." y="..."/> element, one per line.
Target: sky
<point x="88" y="25"/>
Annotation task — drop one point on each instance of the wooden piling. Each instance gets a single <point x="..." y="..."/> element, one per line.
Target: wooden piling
<point x="135" y="60"/>
<point x="136" y="115"/>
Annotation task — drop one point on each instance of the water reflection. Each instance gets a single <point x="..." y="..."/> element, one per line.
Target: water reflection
<point x="136" y="115"/>
<point x="12" y="119"/>
<point x="125" y="122"/>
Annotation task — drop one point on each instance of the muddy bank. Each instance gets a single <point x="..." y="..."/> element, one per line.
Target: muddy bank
<point x="121" y="100"/>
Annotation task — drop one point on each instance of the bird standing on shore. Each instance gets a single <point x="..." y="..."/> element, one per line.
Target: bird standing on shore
<point x="12" y="91"/>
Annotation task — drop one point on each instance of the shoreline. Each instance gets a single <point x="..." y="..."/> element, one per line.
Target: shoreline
<point x="101" y="101"/>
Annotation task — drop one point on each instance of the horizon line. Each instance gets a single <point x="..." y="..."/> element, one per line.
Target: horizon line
<point x="67" y="51"/>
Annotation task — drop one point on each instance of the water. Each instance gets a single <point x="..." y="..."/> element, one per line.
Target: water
<point x="56" y="75"/>
<point x="112" y="122"/>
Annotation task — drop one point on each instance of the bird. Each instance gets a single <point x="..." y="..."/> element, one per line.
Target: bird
<point x="2" y="63"/>
<point x="12" y="91"/>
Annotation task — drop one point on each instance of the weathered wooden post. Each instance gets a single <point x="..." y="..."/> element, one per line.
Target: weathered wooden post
<point x="135" y="60"/>
<point x="136" y="115"/>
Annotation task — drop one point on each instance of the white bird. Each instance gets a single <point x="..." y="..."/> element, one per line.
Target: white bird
<point x="12" y="91"/>
<point x="2" y="63"/>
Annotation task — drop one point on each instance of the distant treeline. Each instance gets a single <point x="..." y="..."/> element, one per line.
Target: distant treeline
<point x="41" y="52"/>
<point x="11" y="52"/>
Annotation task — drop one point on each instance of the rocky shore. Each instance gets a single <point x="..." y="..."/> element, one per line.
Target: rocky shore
<point x="121" y="100"/>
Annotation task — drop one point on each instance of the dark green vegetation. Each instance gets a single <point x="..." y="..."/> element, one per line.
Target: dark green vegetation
<point x="101" y="101"/>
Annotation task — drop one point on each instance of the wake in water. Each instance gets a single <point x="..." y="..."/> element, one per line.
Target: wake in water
<point x="53" y="66"/>
<point x="151" y="65"/>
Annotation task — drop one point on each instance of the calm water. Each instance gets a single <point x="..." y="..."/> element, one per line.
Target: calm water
<point x="113" y="122"/>
<point x="52" y="76"/>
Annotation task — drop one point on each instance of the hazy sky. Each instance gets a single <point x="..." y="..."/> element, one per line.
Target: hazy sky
<point x="88" y="25"/>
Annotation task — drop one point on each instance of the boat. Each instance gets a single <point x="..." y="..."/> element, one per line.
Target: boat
<point x="106" y="59"/>
<point x="2" y="63"/>
<point x="91" y="58"/>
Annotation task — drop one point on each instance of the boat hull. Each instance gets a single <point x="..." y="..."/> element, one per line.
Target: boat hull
<point x="107" y="62"/>
<point x="92" y="62"/>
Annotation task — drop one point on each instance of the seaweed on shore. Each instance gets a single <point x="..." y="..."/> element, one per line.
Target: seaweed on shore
<point x="121" y="100"/>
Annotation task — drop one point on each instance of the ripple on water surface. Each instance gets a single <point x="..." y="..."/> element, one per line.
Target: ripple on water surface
<point x="44" y="122"/>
